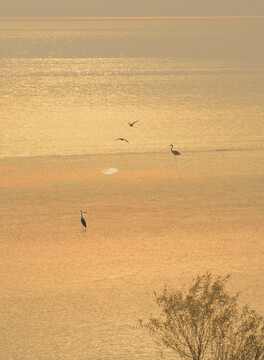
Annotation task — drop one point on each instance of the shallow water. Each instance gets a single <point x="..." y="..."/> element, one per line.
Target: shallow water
<point x="68" y="294"/>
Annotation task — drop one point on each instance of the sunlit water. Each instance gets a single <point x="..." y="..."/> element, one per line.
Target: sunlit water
<point x="68" y="89"/>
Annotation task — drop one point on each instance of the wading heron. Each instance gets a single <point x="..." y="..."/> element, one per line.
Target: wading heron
<point x="83" y="221"/>
<point x="175" y="152"/>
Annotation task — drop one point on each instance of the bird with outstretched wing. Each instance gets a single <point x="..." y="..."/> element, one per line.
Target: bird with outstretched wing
<point x="122" y="139"/>
<point x="132" y="124"/>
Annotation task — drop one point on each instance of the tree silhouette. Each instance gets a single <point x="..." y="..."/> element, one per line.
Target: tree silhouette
<point x="204" y="323"/>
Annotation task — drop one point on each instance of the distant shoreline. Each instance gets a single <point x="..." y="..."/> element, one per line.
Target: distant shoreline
<point x="126" y="153"/>
<point x="53" y="18"/>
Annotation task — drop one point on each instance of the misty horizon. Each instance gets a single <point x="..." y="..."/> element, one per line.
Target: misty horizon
<point x="116" y="8"/>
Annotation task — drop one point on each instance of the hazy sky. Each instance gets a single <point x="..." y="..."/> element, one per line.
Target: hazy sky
<point x="130" y="7"/>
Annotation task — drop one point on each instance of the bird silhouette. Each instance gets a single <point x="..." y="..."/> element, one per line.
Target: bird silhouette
<point x="132" y="124"/>
<point x="175" y="152"/>
<point x="83" y="221"/>
<point x="122" y="139"/>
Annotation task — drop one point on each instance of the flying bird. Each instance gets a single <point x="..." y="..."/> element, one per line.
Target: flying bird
<point x="83" y="221"/>
<point x="175" y="152"/>
<point x="132" y="124"/>
<point x="122" y="139"/>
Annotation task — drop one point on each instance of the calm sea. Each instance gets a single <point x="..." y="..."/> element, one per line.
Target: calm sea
<point x="68" y="89"/>
<point x="71" y="87"/>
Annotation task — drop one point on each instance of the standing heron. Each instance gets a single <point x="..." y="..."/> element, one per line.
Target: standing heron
<point x="175" y="152"/>
<point x="122" y="139"/>
<point x="83" y="221"/>
<point x="132" y="124"/>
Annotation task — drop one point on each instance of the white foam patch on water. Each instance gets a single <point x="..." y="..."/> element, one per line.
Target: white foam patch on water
<point x="109" y="171"/>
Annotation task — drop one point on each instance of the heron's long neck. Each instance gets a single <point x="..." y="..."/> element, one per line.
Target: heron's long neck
<point x="171" y="147"/>
<point x="81" y="213"/>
